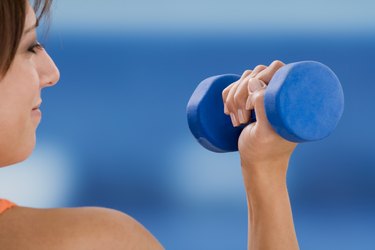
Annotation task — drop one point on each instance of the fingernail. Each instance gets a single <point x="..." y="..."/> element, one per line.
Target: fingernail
<point x="241" y="116"/>
<point x="256" y="84"/>
<point x="234" y="120"/>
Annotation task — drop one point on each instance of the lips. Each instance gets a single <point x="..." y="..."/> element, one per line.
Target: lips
<point x="38" y="105"/>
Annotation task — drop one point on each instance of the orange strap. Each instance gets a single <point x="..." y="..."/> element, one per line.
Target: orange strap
<point x="5" y="204"/>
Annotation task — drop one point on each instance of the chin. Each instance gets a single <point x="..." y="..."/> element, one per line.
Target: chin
<point x="16" y="156"/>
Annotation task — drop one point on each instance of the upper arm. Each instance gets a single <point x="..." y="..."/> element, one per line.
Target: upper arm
<point x="73" y="228"/>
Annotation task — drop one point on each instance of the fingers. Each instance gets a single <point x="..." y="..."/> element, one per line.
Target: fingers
<point x="257" y="70"/>
<point x="237" y="95"/>
<point x="257" y="101"/>
<point x="258" y="83"/>
<point x="239" y="99"/>
<point x="241" y="96"/>
<point x="236" y="116"/>
<point x="267" y="74"/>
<point x="225" y="95"/>
<point x="232" y="87"/>
<point x="231" y="106"/>
<point x="253" y="86"/>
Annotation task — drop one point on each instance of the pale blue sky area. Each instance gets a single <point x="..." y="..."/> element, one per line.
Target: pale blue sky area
<point x="210" y="15"/>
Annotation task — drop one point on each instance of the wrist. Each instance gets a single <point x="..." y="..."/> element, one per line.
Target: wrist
<point x="261" y="171"/>
<point x="262" y="177"/>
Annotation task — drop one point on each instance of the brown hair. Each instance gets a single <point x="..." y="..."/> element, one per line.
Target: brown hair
<point x="12" y="22"/>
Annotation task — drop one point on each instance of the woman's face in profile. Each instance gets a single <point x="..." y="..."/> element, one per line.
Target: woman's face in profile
<point x="20" y="94"/>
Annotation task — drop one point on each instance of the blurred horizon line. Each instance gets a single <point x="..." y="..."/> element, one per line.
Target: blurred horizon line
<point x="212" y="32"/>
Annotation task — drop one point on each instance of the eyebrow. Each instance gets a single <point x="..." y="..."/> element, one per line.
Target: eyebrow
<point x="32" y="27"/>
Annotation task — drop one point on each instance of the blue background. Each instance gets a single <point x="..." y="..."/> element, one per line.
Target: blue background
<point x="114" y="131"/>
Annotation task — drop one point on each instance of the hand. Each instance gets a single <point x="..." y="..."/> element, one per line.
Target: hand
<point x="258" y="143"/>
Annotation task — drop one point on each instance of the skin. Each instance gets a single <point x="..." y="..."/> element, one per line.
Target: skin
<point x="264" y="159"/>
<point x="83" y="228"/>
<point x="20" y="92"/>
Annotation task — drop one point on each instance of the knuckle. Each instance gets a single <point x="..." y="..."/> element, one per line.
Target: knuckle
<point x="226" y="91"/>
<point x="246" y="72"/>
<point x="224" y="94"/>
<point x="260" y="67"/>
<point x="277" y="64"/>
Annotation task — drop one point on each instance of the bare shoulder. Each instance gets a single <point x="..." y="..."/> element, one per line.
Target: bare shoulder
<point x="72" y="228"/>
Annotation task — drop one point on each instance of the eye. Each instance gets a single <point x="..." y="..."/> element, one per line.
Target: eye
<point x="34" y="47"/>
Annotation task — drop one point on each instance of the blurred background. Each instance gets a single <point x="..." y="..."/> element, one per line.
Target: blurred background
<point x="114" y="131"/>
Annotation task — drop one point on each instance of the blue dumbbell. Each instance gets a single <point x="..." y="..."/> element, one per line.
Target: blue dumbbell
<point x="304" y="101"/>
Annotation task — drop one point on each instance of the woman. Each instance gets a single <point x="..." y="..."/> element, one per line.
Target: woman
<point x="26" y="68"/>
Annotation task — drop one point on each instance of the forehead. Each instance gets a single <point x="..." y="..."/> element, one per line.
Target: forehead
<point x="30" y="16"/>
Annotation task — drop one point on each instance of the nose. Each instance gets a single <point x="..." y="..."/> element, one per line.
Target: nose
<point x="49" y="74"/>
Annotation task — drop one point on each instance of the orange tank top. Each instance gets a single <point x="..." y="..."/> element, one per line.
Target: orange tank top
<point x="5" y="204"/>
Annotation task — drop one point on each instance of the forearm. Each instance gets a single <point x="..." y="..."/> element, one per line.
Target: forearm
<point x="270" y="215"/>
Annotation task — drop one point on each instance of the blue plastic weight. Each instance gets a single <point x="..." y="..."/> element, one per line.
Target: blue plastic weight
<point x="304" y="101"/>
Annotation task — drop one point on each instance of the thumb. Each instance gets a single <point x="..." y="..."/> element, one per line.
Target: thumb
<point x="258" y="102"/>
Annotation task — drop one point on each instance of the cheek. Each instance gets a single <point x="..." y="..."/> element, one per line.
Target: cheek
<point x="19" y="91"/>
<point x="22" y="96"/>
<point x="28" y="85"/>
<point x="23" y="82"/>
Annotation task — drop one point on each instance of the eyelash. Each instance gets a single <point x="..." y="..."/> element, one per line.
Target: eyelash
<point x="36" y="45"/>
